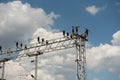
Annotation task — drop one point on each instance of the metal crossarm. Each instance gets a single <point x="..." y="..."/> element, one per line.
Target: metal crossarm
<point x="53" y="45"/>
<point x="74" y="39"/>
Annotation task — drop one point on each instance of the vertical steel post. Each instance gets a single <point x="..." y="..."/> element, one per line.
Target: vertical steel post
<point x="3" y="70"/>
<point x="80" y="59"/>
<point x="36" y="66"/>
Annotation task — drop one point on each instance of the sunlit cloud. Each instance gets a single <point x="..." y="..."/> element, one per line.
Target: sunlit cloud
<point x="93" y="10"/>
<point x="19" y="21"/>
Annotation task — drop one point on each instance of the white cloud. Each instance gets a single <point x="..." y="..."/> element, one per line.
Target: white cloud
<point x="61" y="65"/>
<point x="45" y="75"/>
<point x="116" y="38"/>
<point x="92" y="9"/>
<point x="19" y="21"/>
<point x="58" y="65"/>
<point x="105" y="56"/>
<point x="47" y="34"/>
<point x="13" y="72"/>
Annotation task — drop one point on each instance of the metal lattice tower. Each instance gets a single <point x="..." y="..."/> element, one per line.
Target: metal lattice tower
<point x="74" y="39"/>
<point x="81" y="60"/>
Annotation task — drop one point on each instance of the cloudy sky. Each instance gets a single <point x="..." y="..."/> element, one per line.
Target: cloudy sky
<point x="24" y="20"/>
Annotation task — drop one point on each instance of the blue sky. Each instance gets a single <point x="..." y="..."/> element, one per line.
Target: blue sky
<point x="102" y="25"/>
<point x="101" y="17"/>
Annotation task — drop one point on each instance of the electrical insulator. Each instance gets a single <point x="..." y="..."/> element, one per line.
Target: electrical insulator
<point x="42" y="40"/>
<point x="32" y="76"/>
<point x="47" y="42"/>
<point x="86" y="31"/>
<point x="0" y="48"/>
<point x="67" y="34"/>
<point x="25" y="47"/>
<point x="38" y="38"/>
<point x="77" y="29"/>
<point x="21" y="45"/>
<point x="73" y="29"/>
<point x="71" y="36"/>
<point x="63" y="32"/>
<point x="0" y="66"/>
<point x="32" y="61"/>
<point x="17" y="44"/>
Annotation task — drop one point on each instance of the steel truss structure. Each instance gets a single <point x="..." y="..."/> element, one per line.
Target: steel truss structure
<point x="74" y="39"/>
